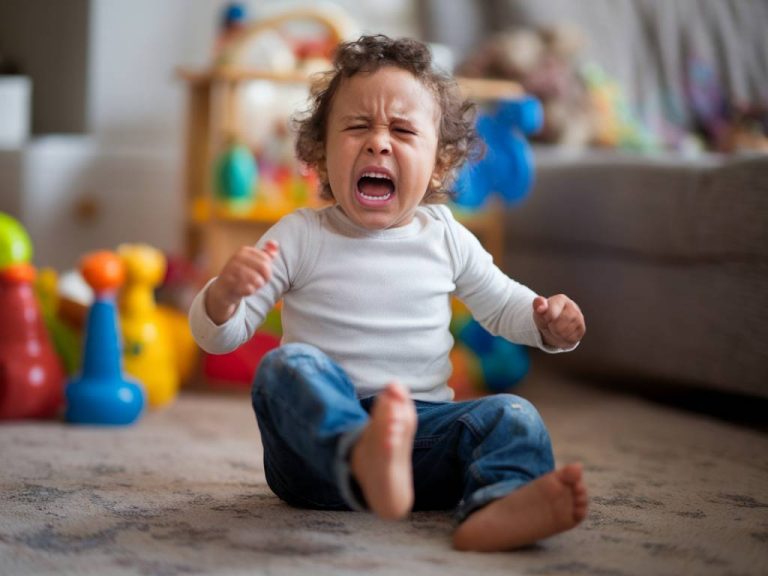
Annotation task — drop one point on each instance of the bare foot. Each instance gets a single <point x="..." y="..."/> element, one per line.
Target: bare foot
<point x="381" y="459"/>
<point x="550" y="504"/>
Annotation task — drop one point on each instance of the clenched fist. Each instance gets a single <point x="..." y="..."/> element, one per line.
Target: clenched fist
<point x="245" y="272"/>
<point x="559" y="320"/>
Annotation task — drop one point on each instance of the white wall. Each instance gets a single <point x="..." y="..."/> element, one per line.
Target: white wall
<point x="129" y="169"/>
<point x="136" y="45"/>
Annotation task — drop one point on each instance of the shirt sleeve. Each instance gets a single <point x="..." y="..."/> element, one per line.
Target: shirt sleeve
<point x="293" y="236"/>
<point x="501" y="305"/>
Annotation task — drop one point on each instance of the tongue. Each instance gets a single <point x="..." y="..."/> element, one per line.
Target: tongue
<point x="375" y="186"/>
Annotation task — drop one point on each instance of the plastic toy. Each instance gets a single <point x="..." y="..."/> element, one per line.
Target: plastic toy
<point x="31" y="376"/>
<point x="482" y="362"/>
<point x="232" y="23"/>
<point x="236" y="175"/>
<point x="238" y="368"/>
<point x="102" y="394"/>
<point x="616" y="125"/>
<point x="507" y="167"/>
<point x="66" y="339"/>
<point x="185" y="349"/>
<point x="148" y="353"/>
<point x="15" y="245"/>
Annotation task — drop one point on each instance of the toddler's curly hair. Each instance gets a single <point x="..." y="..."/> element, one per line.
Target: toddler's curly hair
<point x="457" y="139"/>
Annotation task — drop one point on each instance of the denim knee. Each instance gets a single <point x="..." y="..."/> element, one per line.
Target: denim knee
<point x="515" y="415"/>
<point x="278" y="365"/>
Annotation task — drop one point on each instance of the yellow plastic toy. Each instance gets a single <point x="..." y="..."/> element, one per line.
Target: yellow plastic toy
<point x="148" y="352"/>
<point x="185" y="349"/>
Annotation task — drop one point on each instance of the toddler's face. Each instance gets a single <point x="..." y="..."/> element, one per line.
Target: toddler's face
<point x="381" y="146"/>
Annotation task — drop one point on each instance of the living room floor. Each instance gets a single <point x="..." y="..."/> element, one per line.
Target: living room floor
<point x="183" y="492"/>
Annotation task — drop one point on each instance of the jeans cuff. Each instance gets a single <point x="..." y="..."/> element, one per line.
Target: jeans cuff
<point x="485" y="496"/>
<point x="343" y="472"/>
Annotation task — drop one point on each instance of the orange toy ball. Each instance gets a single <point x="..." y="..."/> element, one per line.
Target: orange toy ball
<point x="18" y="273"/>
<point x="103" y="270"/>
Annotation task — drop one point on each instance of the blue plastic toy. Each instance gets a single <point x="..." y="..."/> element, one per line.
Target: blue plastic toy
<point x="233" y="14"/>
<point x="502" y="363"/>
<point x="507" y="167"/>
<point x="483" y="363"/>
<point x="101" y="394"/>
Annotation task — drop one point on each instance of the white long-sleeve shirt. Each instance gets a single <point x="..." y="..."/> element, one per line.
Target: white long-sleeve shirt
<point x="377" y="301"/>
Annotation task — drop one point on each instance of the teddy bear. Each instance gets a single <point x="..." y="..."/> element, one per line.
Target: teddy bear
<point x="545" y="62"/>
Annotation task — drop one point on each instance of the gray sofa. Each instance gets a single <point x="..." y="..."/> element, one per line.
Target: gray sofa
<point x="667" y="254"/>
<point x="668" y="259"/>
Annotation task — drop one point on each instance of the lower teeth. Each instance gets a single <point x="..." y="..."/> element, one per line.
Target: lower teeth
<point x="385" y="197"/>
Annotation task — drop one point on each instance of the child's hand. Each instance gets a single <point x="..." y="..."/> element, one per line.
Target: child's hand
<point x="559" y="320"/>
<point x="244" y="273"/>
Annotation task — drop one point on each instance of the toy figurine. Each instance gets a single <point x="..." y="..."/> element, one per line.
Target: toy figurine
<point x="231" y="25"/>
<point x="148" y="355"/>
<point x="236" y="176"/>
<point x="507" y="167"/>
<point x="101" y="394"/>
<point x="31" y="376"/>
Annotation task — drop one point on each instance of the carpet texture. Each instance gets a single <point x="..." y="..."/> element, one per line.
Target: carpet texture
<point x="183" y="492"/>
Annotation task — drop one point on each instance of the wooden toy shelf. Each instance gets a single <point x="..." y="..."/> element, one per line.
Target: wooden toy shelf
<point x="212" y="114"/>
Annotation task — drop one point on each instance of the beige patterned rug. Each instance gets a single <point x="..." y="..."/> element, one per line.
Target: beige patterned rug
<point x="183" y="492"/>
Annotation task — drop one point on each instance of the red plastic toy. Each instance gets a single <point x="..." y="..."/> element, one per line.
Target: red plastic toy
<point x="31" y="375"/>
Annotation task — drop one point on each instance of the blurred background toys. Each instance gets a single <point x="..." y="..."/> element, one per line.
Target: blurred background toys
<point x="545" y="62"/>
<point x="101" y="394"/>
<point x="725" y="125"/>
<point x="237" y="369"/>
<point x="482" y="363"/>
<point x="236" y="176"/>
<point x="615" y="124"/>
<point x="232" y="22"/>
<point x="582" y="106"/>
<point x="158" y="346"/>
<point x="295" y="40"/>
<point x="148" y="350"/>
<point x="65" y="334"/>
<point x="264" y="64"/>
<point x="31" y="375"/>
<point x="507" y="167"/>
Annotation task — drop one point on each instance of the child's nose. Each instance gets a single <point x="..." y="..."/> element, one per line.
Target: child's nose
<point x="379" y="143"/>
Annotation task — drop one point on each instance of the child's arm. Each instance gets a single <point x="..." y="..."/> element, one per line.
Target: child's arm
<point x="248" y="270"/>
<point x="503" y="306"/>
<point x="560" y="321"/>
<point x="229" y="309"/>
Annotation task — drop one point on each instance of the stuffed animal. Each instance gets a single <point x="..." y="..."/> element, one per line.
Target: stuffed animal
<point x="545" y="63"/>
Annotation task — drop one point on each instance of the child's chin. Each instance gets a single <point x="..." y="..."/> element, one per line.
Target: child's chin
<point x="376" y="223"/>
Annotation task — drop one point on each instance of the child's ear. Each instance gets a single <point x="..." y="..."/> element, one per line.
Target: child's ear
<point x="438" y="175"/>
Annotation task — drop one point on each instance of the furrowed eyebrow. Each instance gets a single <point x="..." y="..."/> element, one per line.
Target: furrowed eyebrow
<point x="357" y="118"/>
<point x="364" y="118"/>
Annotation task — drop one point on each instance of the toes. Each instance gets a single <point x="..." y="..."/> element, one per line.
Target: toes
<point x="571" y="473"/>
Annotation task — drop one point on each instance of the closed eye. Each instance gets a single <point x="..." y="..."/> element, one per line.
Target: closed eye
<point x="405" y="131"/>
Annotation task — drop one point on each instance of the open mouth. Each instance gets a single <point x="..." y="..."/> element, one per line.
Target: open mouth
<point x="375" y="187"/>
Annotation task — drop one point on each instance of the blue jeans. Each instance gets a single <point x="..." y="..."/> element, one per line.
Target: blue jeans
<point x="465" y="454"/>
